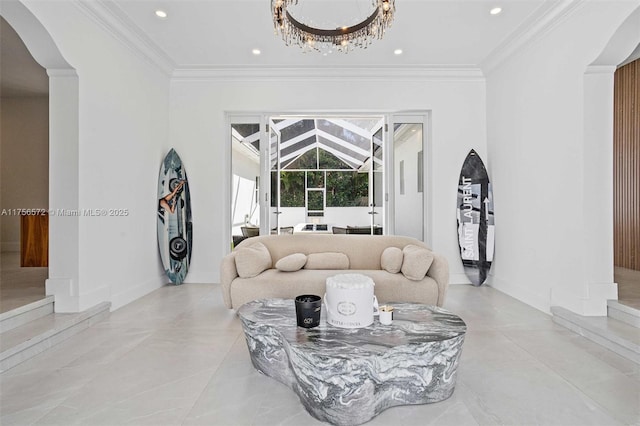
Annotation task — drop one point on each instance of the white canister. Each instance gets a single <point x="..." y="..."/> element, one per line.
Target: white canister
<point x="349" y="300"/>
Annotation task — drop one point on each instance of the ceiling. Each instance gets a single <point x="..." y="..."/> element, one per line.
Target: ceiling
<point x="218" y="34"/>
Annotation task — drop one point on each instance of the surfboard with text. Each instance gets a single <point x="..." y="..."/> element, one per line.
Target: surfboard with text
<point x="476" y="226"/>
<point x="175" y="229"/>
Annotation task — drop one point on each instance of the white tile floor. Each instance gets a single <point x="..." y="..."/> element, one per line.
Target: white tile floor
<point x="178" y="357"/>
<point x="19" y="286"/>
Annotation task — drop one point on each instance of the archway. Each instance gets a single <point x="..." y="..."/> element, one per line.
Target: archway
<point x="598" y="184"/>
<point x="63" y="154"/>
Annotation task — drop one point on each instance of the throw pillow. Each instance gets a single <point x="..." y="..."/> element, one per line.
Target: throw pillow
<point x="252" y="260"/>
<point x="291" y="263"/>
<point x="416" y="262"/>
<point x="391" y="260"/>
<point x="327" y="260"/>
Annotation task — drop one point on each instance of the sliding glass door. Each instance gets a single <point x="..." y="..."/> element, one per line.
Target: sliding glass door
<point x="245" y="207"/>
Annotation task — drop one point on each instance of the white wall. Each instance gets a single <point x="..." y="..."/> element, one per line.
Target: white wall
<point x="553" y="219"/>
<point x="198" y="106"/>
<point x="122" y="133"/>
<point x="24" y="127"/>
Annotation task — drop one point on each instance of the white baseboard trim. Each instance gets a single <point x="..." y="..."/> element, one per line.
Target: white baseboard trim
<point x="586" y="300"/>
<point x="136" y="292"/>
<point x="66" y="299"/>
<point x="523" y="294"/>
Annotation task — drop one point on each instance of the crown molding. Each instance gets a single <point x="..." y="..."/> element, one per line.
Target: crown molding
<point x="538" y="25"/>
<point x="373" y="73"/>
<point x="111" y="18"/>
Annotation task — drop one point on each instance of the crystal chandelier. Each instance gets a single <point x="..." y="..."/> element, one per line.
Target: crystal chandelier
<point x="342" y="39"/>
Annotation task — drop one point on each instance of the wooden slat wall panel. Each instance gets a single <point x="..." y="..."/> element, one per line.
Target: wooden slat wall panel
<point x="626" y="166"/>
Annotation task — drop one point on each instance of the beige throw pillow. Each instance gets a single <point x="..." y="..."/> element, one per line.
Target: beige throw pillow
<point x="416" y="262"/>
<point x="291" y="263"/>
<point x="252" y="260"/>
<point x="391" y="260"/>
<point x="327" y="260"/>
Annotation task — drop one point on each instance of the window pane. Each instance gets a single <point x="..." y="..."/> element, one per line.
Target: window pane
<point x="274" y="189"/>
<point x="347" y="189"/>
<point x="292" y="189"/>
<point x="329" y="161"/>
<point x="316" y="200"/>
<point x="308" y="160"/>
<point x="315" y="179"/>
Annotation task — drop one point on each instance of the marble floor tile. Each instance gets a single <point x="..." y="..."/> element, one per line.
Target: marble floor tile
<point x="619" y="395"/>
<point x="178" y="357"/>
<point x="528" y="393"/>
<point x="19" y="286"/>
<point x="558" y="351"/>
<point x="164" y="404"/>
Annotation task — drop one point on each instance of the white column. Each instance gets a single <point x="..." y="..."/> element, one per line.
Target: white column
<point x="64" y="253"/>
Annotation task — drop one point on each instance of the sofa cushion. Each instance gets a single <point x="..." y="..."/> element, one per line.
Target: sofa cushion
<point x="287" y="285"/>
<point x="327" y="260"/>
<point x="416" y="262"/>
<point x="391" y="260"/>
<point x="291" y="263"/>
<point x="252" y="260"/>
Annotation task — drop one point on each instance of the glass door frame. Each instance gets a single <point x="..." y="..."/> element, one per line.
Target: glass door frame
<point x="270" y="132"/>
<point x="382" y="127"/>
<point x="390" y="119"/>
<point x="411" y="117"/>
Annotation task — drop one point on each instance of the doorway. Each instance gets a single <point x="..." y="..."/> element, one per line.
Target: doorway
<point x="323" y="171"/>
<point x="626" y="158"/>
<point x="327" y="174"/>
<point x="24" y="189"/>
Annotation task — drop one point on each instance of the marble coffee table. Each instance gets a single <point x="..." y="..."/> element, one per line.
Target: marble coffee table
<point x="348" y="376"/>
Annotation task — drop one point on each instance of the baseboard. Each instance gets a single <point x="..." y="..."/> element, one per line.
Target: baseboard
<point x="523" y="294"/>
<point x="136" y="292"/>
<point x="66" y="299"/>
<point x="589" y="300"/>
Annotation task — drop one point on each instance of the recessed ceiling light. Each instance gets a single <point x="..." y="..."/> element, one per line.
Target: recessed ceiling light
<point x="161" y="14"/>
<point x="397" y="52"/>
<point x="495" y="10"/>
<point x="256" y="51"/>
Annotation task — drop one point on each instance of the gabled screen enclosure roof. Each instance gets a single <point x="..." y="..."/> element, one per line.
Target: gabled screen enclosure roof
<point x="327" y="142"/>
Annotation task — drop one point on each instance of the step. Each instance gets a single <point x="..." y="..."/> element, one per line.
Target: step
<point x="22" y="315"/>
<point x="28" y="340"/>
<point x="623" y="312"/>
<point x="615" y="335"/>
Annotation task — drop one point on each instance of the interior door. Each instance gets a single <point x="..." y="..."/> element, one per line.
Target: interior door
<point x="245" y="149"/>
<point x="376" y="179"/>
<point x="273" y="223"/>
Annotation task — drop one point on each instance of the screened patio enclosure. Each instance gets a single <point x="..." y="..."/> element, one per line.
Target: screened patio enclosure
<point x="324" y="173"/>
<point x="327" y="174"/>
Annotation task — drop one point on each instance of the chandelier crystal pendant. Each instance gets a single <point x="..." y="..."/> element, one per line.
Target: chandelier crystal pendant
<point x="343" y="39"/>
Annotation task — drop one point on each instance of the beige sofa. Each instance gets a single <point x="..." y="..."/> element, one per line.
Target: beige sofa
<point x="364" y="253"/>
